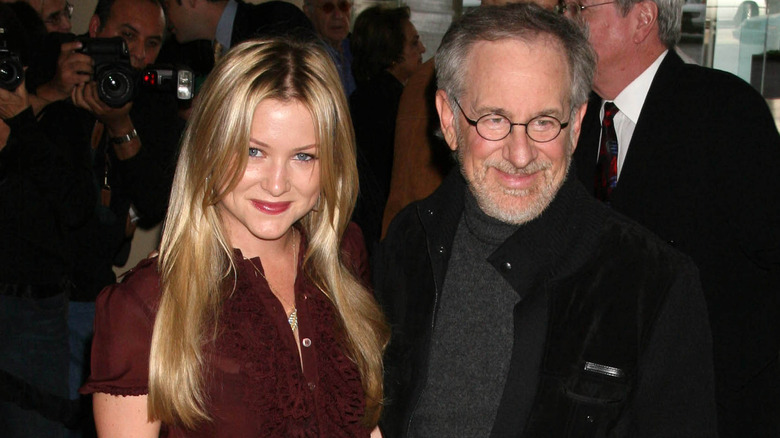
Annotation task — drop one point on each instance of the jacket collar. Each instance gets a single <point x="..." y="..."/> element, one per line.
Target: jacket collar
<point x="553" y="244"/>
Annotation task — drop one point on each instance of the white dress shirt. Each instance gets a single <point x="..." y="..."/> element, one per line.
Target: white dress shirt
<point x="630" y="102"/>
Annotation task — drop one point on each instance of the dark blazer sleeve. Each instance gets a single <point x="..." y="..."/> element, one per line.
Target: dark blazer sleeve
<point x="675" y="392"/>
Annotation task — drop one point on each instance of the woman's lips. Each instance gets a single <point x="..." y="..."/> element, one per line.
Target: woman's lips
<point x="271" y="207"/>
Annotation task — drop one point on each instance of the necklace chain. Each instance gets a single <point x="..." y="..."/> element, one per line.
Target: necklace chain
<point x="292" y="318"/>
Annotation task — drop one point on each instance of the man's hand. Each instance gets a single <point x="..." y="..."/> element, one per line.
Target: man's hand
<point x="116" y="120"/>
<point x="13" y="102"/>
<point x="73" y="68"/>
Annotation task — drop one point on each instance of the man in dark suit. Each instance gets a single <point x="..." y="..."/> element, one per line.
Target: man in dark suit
<point x="696" y="162"/>
<point x="229" y="22"/>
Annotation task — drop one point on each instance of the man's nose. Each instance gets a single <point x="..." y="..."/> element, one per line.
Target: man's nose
<point x="519" y="149"/>
<point x="138" y="56"/>
<point x="64" y="25"/>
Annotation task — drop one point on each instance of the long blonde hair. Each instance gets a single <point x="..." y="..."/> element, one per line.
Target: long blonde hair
<point x="195" y="263"/>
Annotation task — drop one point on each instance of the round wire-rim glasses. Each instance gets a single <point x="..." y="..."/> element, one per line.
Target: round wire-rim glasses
<point x="65" y="14"/>
<point x="575" y="8"/>
<point x="495" y="127"/>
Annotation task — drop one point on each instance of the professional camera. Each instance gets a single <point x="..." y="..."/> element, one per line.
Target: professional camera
<point x="167" y="78"/>
<point x="115" y="77"/>
<point x="11" y="70"/>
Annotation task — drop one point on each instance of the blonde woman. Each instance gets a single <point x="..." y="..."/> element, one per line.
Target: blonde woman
<point x="254" y="320"/>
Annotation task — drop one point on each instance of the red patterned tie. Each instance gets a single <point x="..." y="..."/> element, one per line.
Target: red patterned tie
<point x="606" y="167"/>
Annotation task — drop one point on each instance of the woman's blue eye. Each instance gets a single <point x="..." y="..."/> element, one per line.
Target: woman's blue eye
<point x="304" y="156"/>
<point x="255" y="152"/>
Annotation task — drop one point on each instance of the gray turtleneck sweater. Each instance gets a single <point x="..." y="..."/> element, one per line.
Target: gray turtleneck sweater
<point x="472" y="340"/>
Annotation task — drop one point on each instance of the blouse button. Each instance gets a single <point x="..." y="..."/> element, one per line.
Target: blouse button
<point x="306" y="342"/>
<point x="506" y="267"/>
<point x="312" y="386"/>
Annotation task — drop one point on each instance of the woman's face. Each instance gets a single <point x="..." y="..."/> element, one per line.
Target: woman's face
<point x="281" y="183"/>
<point x="412" y="54"/>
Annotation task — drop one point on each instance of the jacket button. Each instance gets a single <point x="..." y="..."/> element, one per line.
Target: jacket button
<point x="506" y="266"/>
<point x="429" y="211"/>
<point x="312" y="386"/>
<point x="306" y="342"/>
<point x="441" y="249"/>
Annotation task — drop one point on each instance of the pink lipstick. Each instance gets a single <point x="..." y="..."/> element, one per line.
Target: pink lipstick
<point x="271" y="207"/>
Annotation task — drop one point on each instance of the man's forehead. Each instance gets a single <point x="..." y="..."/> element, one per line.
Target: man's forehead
<point x="509" y="69"/>
<point x="46" y="6"/>
<point x="137" y="16"/>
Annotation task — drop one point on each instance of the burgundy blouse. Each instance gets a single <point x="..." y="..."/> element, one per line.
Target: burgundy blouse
<point x="253" y="376"/>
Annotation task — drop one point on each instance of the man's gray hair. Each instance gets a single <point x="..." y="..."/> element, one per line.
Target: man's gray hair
<point x="524" y="22"/>
<point x="669" y="18"/>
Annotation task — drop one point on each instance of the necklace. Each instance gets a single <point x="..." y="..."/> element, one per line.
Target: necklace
<point x="292" y="318"/>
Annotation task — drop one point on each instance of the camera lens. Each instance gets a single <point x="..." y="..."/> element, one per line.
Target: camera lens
<point x="115" y="87"/>
<point x="115" y="84"/>
<point x="10" y="74"/>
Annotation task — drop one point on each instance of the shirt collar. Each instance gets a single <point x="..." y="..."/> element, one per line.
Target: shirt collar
<point x="632" y="98"/>
<point x="225" y="25"/>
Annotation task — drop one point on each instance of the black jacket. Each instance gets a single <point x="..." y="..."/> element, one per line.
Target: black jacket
<point x="143" y="181"/>
<point x="594" y="287"/>
<point x="702" y="173"/>
<point x="44" y="191"/>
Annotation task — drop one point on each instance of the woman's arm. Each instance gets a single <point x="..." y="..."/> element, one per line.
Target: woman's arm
<point x="123" y="416"/>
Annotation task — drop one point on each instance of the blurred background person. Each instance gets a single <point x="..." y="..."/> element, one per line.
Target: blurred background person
<point x="131" y="148"/>
<point x="331" y="22"/>
<point x="205" y="30"/>
<point x="55" y="14"/>
<point x="255" y="319"/>
<point x="387" y="51"/>
<point x="44" y="191"/>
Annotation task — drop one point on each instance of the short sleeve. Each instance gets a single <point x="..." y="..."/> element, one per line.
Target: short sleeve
<point x="124" y="319"/>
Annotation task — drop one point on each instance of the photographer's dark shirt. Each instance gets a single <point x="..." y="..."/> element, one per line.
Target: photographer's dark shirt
<point x="44" y="190"/>
<point x="143" y="181"/>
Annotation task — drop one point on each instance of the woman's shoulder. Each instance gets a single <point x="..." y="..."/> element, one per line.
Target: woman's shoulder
<point x="124" y="323"/>
<point x="138" y="287"/>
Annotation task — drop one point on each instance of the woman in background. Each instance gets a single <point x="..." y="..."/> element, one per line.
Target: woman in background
<point x="255" y="319"/>
<point x="386" y="52"/>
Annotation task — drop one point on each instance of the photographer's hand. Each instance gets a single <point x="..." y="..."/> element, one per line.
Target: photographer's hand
<point x="73" y="68"/>
<point x="11" y="104"/>
<point x="117" y="121"/>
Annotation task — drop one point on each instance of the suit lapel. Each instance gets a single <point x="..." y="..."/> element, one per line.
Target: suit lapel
<point x="654" y="137"/>
<point x="586" y="154"/>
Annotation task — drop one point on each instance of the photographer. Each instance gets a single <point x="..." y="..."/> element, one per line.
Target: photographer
<point x="45" y="190"/>
<point x="133" y="147"/>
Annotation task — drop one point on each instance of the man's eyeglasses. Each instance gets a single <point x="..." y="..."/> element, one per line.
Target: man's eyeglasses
<point x="343" y="6"/>
<point x="575" y="9"/>
<point x="495" y="127"/>
<point x="65" y="14"/>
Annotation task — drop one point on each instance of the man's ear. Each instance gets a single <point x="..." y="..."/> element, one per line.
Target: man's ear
<point x="645" y="14"/>
<point x="94" y="25"/>
<point x="447" y="119"/>
<point x="576" y="124"/>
